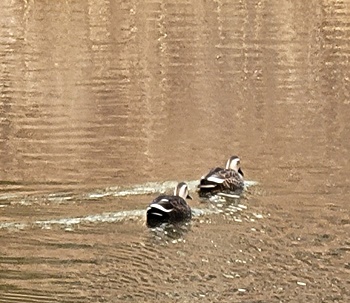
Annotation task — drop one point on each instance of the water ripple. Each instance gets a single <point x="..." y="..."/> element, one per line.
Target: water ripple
<point x="117" y="191"/>
<point x="113" y="217"/>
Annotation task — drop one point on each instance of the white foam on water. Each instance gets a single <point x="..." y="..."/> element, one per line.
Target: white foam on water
<point x="154" y="187"/>
<point x="141" y="189"/>
<point x="98" y="218"/>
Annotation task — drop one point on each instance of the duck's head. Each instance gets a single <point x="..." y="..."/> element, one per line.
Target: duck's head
<point x="233" y="163"/>
<point x="181" y="190"/>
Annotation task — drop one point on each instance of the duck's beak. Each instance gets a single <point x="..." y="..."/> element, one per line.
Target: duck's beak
<point x="189" y="197"/>
<point x="240" y="171"/>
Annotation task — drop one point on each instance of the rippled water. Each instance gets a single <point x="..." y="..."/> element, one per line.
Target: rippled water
<point x="104" y="105"/>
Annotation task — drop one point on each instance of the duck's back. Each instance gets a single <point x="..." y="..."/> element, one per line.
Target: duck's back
<point x="167" y="208"/>
<point x="220" y="180"/>
<point x="214" y="171"/>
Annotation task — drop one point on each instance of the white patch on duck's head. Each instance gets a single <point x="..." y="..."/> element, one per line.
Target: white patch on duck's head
<point x="181" y="190"/>
<point x="233" y="163"/>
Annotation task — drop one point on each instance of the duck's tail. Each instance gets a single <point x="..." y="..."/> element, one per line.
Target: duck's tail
<point x="157" y="214"/>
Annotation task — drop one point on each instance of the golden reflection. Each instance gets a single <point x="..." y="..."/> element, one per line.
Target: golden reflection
<point x="99" y="92"/>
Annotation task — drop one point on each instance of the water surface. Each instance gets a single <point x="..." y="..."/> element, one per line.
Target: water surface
<point x="103" y="105"/>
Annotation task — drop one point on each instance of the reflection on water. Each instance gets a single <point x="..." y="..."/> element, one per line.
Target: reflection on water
<point x="170" y="233"/>
<point x="102" y="103"/>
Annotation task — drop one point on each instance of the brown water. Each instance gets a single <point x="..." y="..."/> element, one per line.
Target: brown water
<point x="103" y="101"/>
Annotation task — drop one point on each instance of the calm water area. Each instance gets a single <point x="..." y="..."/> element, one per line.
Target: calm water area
<point x="106" y="104"/>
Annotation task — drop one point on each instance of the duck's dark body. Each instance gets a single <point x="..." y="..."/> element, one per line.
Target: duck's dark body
<point x="222" y="180"/>
<point x="168" y="208"/>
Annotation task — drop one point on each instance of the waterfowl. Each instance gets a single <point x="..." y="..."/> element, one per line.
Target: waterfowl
<point x="169" y="208"/>
<point x="218" y="180"/>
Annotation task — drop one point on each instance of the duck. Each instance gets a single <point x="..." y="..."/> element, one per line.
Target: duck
<point x="169" y="208"/>
<point x="221" y="180"/>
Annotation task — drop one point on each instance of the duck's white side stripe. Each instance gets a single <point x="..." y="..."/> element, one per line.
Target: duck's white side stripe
<point x="160" y="207"/>
<point x="158" y="214"/>
<point x="215" y="179"/>
<point x="208" y="185"/>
